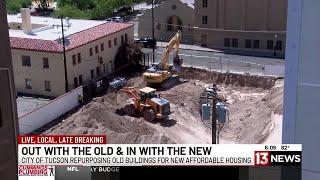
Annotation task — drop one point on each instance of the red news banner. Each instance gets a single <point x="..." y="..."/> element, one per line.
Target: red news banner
<point x="93" y="150"/>
<point x="68" y="139"/>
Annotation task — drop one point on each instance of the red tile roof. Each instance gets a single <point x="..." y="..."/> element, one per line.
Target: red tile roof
<point x="76" y="40"/>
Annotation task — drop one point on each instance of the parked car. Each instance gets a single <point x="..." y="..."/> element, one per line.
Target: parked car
<point x="147" y="42"/>
<point x="117" y="19"/>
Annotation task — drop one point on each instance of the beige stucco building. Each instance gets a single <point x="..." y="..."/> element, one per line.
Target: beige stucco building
<point x="37" y="52"/>
<point x="169" y="16"/>
<point x="247" y="26"/>
<point x="238" y="26"/>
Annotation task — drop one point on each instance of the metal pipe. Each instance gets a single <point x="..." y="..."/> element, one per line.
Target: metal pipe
<point x="64" y="58"/>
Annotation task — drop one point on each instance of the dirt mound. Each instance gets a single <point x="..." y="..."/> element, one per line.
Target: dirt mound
<point x="98" y="117"/>
<point x="252" y="100"/>
<point x="275" y="97"/>
<point x="264" y="82"/>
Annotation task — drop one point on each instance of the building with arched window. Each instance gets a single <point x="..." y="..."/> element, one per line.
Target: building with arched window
<point x="169" y="17"/>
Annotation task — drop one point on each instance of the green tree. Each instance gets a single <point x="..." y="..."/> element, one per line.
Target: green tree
<point x="14" y="6"/>
<point x="71" y="11"/>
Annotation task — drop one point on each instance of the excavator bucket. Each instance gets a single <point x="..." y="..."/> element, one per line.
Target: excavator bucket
<point x="177" y="64"/>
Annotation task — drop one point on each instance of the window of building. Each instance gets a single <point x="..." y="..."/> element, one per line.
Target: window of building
<point x="110" y="44"/>
<point x="45" y="63"/>
<point x="279" y="45"/>
<point x="256" y="44"/>
<point x="26" y="61"/>
<point x="235" y="42"/>
<point x="75" y="82"/>
<point x="158" y="26"/>
<point x="115" y="41"/>
<point x="80" y="80"/>
<point x="270" y="44"/>
<point x="204" y="3"/>
<point x="96" y="49"/>
<point x="204" y="19"/>
<point x="126" y="38"/>
<point x="92" y="73"/>
<point x="47" y="86"/>
<point x="248" y="43"/>
<point x="226" y="42"/>
<point x="79" y="58"/>
<point x="28" y="84"/>
<point x="91" y="51"/>
<point x="74" y="61"/>
<point x="102" y="47"/>
<point x="104" y="68"/>
<point x="98" y="70"/>
<point x="122" y="39"/>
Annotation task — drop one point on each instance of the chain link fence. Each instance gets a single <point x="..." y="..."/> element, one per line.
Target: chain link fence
<point x="224" y="63"/>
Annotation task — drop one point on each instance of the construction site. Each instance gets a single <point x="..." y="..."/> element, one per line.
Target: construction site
<point x="171" y="111"/>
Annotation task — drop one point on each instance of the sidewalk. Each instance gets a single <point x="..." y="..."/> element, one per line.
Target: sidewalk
<point x="189" y="47"/>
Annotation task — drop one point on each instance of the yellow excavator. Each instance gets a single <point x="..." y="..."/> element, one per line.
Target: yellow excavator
<point x="159" y="74"/>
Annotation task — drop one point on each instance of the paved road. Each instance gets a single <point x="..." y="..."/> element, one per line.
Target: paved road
<point x="226" y="62"/>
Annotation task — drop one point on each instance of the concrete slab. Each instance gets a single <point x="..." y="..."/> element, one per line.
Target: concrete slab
<point x="27" y="104"/>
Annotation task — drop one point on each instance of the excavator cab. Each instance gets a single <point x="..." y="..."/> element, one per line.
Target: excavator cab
<point x="146" y="102"/>
<point x="158" y="107"/>
<point x="147" y="93"/>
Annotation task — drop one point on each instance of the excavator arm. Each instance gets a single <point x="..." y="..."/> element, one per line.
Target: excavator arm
<point x="173" y="44"/>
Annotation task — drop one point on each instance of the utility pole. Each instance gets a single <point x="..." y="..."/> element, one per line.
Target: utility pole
<point x="214" y="118"/>
<point x="275" y="45"/>
<point x="64" y="57"/>
<point x="153" y="31"/>
<point x="9" y="127"/>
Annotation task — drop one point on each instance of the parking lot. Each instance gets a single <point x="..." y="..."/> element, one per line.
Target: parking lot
<point x="26" y="104"/>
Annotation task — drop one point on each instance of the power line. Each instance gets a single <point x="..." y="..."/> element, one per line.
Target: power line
<point x="218" y="30"/>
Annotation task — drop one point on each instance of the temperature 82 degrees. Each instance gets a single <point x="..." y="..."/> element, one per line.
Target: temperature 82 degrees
<point x="277" y="158"/>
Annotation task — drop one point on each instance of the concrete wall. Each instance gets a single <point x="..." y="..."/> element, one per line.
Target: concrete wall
<point x="38" y="74"/>
<point x="49" y="112"/>
<point x="161" y="14"/>
<point x="302" y="86"/>
<point x="55" y="73"/>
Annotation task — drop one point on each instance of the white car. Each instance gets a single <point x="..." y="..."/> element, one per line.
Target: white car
<point x="117" y="19"/>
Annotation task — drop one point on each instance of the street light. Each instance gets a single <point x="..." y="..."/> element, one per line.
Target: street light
<point x="275" y="45"/>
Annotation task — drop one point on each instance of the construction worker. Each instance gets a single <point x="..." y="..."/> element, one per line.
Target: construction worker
<point x="80" y="98"/>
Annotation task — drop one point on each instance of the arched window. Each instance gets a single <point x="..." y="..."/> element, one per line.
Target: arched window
<point x="174" y="23"/>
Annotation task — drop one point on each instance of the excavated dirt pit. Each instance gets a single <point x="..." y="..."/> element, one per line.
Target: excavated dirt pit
<point x="252" y="101"/>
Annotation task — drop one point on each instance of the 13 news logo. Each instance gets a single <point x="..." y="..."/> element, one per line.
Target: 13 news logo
<point x="277" y="158"/>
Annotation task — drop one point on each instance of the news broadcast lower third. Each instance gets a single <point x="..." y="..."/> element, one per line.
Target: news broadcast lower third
<point x="88" y="157"/>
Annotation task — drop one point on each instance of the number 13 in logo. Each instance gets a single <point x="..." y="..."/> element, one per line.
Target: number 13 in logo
<point x="262" y="158"/>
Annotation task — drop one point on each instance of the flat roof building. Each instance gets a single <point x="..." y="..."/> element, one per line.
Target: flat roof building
<point x="37" y="51"/>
